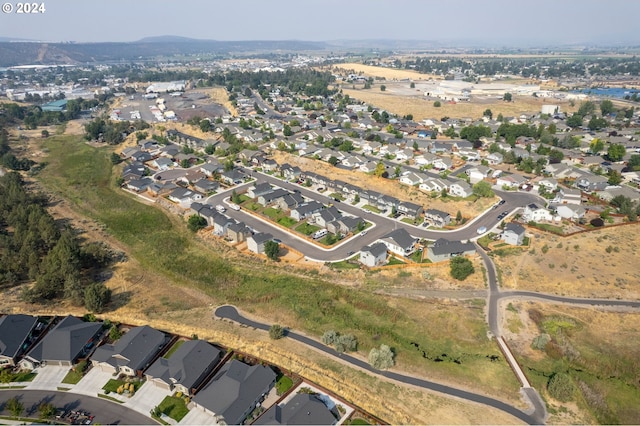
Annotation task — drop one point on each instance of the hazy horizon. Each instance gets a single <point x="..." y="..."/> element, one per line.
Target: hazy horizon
<point x="495" y="22"/>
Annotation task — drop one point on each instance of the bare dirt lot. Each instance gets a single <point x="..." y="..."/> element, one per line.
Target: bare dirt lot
<point x="601" y="263"/>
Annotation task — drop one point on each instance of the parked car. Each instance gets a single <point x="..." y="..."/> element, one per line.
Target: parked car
<point x="481" y="230"/>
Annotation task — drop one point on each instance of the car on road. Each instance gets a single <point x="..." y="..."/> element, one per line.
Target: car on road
<point x="220" y="208"/>
<point x="502" y="215"/>
<point x="501" y="202"/>
<point x="481" y="230"/>
<point x="350" y="253"/>
<point x="363" y="233"/>
<point x="276" y="240"/>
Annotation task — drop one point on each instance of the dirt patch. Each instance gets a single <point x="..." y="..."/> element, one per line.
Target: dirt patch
<point x="591" y="264"/>
<point x="468" y="209"/>
<point x="385" y="73"/>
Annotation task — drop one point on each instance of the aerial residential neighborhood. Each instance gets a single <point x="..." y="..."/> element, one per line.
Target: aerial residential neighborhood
<point x="372" y="215"/>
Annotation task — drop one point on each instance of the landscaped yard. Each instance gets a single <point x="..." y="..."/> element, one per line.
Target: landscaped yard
<point x="307" y="229"/>
<point x="287" y="222"/>
<point x="113" y="385"/>
<point x="22" y="376"/>
<point x="395" y="261"/>
<point x="283" y="384"/>
<point x="337" y="195"/>
<point x="371" y="208"/>
<point x="75" y="374"/>
<point x="412" y="221"/>
<point x="254" y="207"/>
<point x="173" y="407"/>
<point x="344" y="264"/>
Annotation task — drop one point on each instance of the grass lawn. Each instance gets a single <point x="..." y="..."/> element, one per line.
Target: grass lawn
<point x="283" y="384"/>
<point x="395" y="261"/>
<point x="337" y="195"/>
<point x="110" y="398"/>
<point x="358" y="421"/>
<point x="371" y="208"/>
<point x="273" y="214"/>
<point x="411" y="221"/>
<point x="344" y="264"/>
<point x="417" y="257"/>
<point x="244" y="197"/>
<point x="173" y="407"/>
<point x="173" y="349"/>
<point x="254" y="207"/>
<point x="287" y="222"/>
<point x="72" y="377"/>
<point x="160" y="242"/>
<point x="113" y="385"/>
<point x="549" y="228"/>
<point x="22" y="376"/>
<point x="307" y="229"/>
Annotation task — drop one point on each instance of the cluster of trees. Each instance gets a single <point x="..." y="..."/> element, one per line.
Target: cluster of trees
<point x="382" y="358"/>
<point x="461" y="268"/>
<point x="112" y="132"/>
<point x="34" y="249"/>
<point x="7" y="159"/>
<point x="626" y="207"/>
<point x="474" y="133"/>
<point x="341" y="342"/>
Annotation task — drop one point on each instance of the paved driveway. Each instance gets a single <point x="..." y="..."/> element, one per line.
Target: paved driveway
<point x="49" y="378"/>
<point x="92" y="382"/>
<point x="196" y="416"/>
<point x="146" y="398"/>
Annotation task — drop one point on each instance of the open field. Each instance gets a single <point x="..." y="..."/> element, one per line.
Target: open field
<point x="598" y="349"/>
<point x="173" y="280"/>
<point x="601" y="263"/>
<point x="469" y="209"/>
<point x="382" y="72"/>
<point x="422" y="107"/>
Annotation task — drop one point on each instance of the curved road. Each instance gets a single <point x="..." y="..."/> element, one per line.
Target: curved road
<point x="105" y="412"/>
<point x="231" y="313"/>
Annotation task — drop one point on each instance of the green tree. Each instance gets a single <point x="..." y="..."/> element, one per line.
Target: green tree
<point x="383" y="88"/>
<point x="507" y="97"/>
<point x="500" y="117"/>
<point x="596" y="123"/>
<point x="329" y="337"/>
<point x="575" y="121"/>
<point x="459" y="217"/>
<point x="140" y="136"/>
<point x="606" y="107"/>
<point x="346" y="343"/>
<point x="483" y="189"/>
<point x="616" y="152"/>
<point x="46" y="410"/>
<point x="555" y="156"/>
<point x="44" y="134"/>
<point x="333" y="160"/>
<point x="437" y="104"/>
<point x="634" y="162"/>
<point x="235" y="197"/>
<point x="114" y="333"/>
<point x="586" y="108"/>
<point x="115" y="158"/>
<point x="615" y="178"/>
<point x="276" y="331"/>
<point x="381" y="359"/>
<point x="412" y="85"/>
<point x="487" y="113"/>
<point x="14" y="406"/>
<point x="272" y="249"/>
<point x="96" y="297"/>
<point x="561" y="387"/>
<point x="596" y="146"/>
<point x="210" y="149"/>
<point x="461" y="268"/>
<point x="205" y="125"/>
<point x="196" y="223"/>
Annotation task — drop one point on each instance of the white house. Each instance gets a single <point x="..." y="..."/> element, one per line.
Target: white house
<point x="570" y="211"/>
<point x="460" y="189"/>
<point x="255" y="243"/>
<point x="410" y="179"/>
<point x="494" y="158"/>
<point x="513" y="234"/>
<point x="399" y="242"/>
<point x="374" y="255"/>
<point x="536" y="213"/>
<point x="433" y="184"/>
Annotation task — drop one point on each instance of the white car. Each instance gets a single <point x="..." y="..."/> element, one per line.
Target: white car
<point x="481" y="230"/>
<point x="363" y="233"/>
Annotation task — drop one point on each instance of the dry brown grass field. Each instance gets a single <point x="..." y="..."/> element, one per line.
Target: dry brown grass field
<point x="601" y="263"/>
<point x="382" y="72"/>
<point x="422" y="108"/>
<point x="469" y="209"/>
<point x="600" y="350"/>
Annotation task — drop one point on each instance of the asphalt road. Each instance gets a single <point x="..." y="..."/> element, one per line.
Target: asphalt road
<point x="231" y="313"/>
<point x="383" y="224"/>
<point x="105" y="412"/>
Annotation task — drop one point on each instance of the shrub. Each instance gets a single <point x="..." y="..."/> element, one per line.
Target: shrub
<point x="461" y="268"/>
<point x="382" y="358"/>
<point x="545" y="248"/>
<point x="561" y="387"/>
<point x="276" y="331"/>
<point x="329" y="337"/>
<point x="540" y="342"/>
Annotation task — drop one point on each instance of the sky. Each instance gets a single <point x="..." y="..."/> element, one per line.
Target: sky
<point x="539" y="22"/>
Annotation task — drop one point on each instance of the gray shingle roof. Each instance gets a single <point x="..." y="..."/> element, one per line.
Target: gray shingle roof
<point x="133" y="350"/>
<point x="401" y="237"/>
<point x="302" y="409"/>
<point x="442" y="246"/>
<point x="235" y="388"/>
<point x="187" y="364"/>
<point x="66" y="341"/>
<point x="14" y="330"/>
<point x="376" y="249"/>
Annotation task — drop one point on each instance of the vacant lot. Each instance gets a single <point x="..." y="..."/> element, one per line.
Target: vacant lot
<point x="600" y="263"/>
<point x="383" y="73"/>
<point x="598" y="350"/>
<point x="173" y="281"/>
<point x="469" y="209"/>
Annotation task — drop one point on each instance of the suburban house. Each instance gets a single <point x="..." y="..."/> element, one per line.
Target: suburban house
<point x="373" y="255"/>
<point x="132" y="353"/>
<point x="70" y="339"/>
<point x="410" y="179"/>
<point x="443" y="249"/>
<point x="184" y="196"/>
<point x="433" y="185"/>
<point x="259" y="189"/>
<point x="535" y="213"/>
<point x="238" y="232"/>
<point x="325" y="216"/>
<point x="186" y="369"/>
<point x="15" y="331"/>
<point x="206" y="186"/>
<point x="442" y="164"/>
<point x="302" y="409"/>
<point x="305" y="210"/>
<point x="460" y="189"/>
<point x="232" y="177"/>
<point x="511" y="181"/>
<point x="549" y="184"/>
<point x="570" y="211"/>
<point x="162" y="163"/>
<point x="255" y="242"/>
<point x="494" y="158"/>
<point x="211" y="168"/>
<point x="399" y="242"/>
<point x="568" y="196"/>
<point x="409" y="209"/>
<point x="134" y="170"/>
<point x="234" y="391"/>
<point x="513" y="234"/>
<point x="344" y="225"/>
<point x="220" y="224"/>
<point x="590" y="182"/>
<point x="437" y="218"/>
<point x="477" y="174"/>
<point x="139" y="185"/>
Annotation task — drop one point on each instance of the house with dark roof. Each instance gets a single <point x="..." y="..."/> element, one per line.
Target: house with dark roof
<point x="443" y="249"/>
<point x="70" y="339"/>
<point x="326" y="216"/>
<point x="135" y="170"/>
<point x="238" y="232"/>
<point x="15" y="331"/>
<point x="186" y="369"/>
<point x="139" y="185"/>
<point x="305" y="210"/>
<point x="206" y="186"/>
<point x="232" y="177"/>
<point x="220" y="224"/>
<point x="269" y="197"/>
<point x="513" y="234"/>
<point x="302" y="409"/>
<point x="410" y="209"/>
<point x="132" y="353"/>
<point x="373" y="255"/>
<point x="437" y="218"/>
<point x="259" y="189"/>
<point x="255" y="242"/>
<point x="235" y="390"/>
<point x="399" y="242"/>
